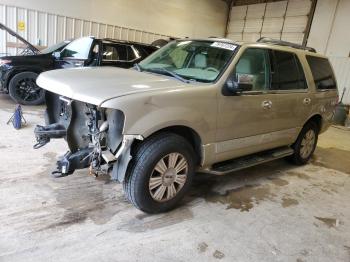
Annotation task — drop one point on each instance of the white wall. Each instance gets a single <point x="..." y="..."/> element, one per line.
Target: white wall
<point x="193" y="18"/>
<point x="330" y="35"/>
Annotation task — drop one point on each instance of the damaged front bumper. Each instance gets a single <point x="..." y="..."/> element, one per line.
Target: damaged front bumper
<point x="94" y="137"/>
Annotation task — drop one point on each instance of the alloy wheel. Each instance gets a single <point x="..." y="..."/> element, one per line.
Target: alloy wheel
<point x="308" y="144"/>
<point x="168" y="177"/>
<point x="28" y="90"/>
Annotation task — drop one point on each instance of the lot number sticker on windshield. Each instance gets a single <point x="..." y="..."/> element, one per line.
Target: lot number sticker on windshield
<point x="224" y="45"/>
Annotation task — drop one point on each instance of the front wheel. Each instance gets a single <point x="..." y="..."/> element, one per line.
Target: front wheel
<point x="305" y="145"/>
<point x="24" y="90"/>
<point x="160" y="173"/>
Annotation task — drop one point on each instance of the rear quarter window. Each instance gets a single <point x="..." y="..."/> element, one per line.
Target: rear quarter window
<point x="322" y="72"/>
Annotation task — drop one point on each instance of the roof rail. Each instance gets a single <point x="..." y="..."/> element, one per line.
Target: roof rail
<point x="284" y="43"/>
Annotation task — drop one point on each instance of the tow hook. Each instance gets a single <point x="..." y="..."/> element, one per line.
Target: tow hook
<point x="43" y="134"/>
<point x="69" y="162"/>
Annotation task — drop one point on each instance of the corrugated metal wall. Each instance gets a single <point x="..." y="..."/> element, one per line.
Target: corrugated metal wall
<point x="341" y="66"/>
<point x="45" y="29"/>
<point x="286" y="20"/>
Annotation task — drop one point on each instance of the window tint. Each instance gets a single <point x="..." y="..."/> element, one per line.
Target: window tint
<point x="149" y="49"/>
<point x="133" y="54"/>
<point x="78" y="49"/>
<point x="322" y="72"/>
<point x="287" y="73"/>
<point x="114" y="52"/>
<point x="145" y="51"/>
<point x="253" y="69"/>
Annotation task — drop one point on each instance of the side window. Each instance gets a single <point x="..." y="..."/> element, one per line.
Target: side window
<point x="287" y="73"/>
<point x="149" y="49"/>
<point x="140" y="51"/>
<point x="78" y="49"/>
<point x="322" y="72"/>
<point x="133" y="53"/>
<point x="114" y="52"/>
<point x="145" y="51"/>
<point x="253" y="69"/>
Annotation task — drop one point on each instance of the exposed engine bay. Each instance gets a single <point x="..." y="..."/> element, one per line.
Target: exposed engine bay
<point x="94" y="136"/>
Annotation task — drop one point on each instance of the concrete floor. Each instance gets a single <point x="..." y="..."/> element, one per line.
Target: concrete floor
<point x="273" y="212"/>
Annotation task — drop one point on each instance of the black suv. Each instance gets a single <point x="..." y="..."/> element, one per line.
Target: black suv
<point x="18" y="73"/>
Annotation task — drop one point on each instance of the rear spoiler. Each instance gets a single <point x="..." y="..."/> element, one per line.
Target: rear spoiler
<point x="13" y="33"/>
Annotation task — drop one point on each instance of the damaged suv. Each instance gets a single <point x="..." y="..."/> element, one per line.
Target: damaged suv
<point x="209" y="105"/>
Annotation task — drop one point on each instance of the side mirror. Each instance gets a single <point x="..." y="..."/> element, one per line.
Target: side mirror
<point x="238" y="83"/>
<point x="56" y="55"/>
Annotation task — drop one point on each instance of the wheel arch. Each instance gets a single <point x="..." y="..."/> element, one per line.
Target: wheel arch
<point x="186" y="132"/>
<point x="317" y="119"/>
<point x="16" y="71"/>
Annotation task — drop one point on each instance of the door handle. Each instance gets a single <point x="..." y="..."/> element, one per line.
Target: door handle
<point x="266" y="104"/>
<point x="307" y="101"/>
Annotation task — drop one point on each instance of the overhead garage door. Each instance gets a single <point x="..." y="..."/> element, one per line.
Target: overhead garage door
<point x="285" y="20"/>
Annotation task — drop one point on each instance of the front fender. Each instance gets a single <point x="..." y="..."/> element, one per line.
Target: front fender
<point x="146" y="113"/>
<point x="167" y="117"/>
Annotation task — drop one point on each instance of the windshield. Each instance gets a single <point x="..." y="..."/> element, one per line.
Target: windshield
<point x="202" y="61"/>
<point x="53" y="48"/>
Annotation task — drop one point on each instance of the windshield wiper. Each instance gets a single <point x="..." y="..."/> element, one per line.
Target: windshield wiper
<point x="173" y="74"/>
<point x="138" y="67"/>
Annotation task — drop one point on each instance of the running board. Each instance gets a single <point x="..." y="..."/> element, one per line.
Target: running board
<point x="249" y="161"/>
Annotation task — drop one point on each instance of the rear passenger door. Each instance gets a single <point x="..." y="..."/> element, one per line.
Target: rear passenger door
<point x="289" y="94"/>
<point x="326" y="93"/>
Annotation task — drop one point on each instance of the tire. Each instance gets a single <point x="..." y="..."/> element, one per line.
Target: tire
<point x="146" y="164"/>
<point x="23" y="89"/>
<point x="303" y="150"/>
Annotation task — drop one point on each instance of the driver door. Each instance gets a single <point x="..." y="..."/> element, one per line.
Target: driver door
<point x="246" y="120"/>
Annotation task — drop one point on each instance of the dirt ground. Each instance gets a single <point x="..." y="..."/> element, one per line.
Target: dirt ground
<point x="272" y="212"/>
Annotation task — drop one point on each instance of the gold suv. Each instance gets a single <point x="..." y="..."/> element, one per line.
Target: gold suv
<point x="207" y="105"/>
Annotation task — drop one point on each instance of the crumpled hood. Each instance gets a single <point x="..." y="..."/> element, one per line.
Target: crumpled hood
<point x="94" y="85"/>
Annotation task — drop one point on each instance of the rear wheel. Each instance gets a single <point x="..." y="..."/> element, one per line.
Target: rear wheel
<point x="24" y="90"/>
<point x="160" y="173"/>
<point x="306" y="143"/>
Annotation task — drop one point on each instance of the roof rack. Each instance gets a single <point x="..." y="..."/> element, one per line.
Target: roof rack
<point x="284" y="43"/>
